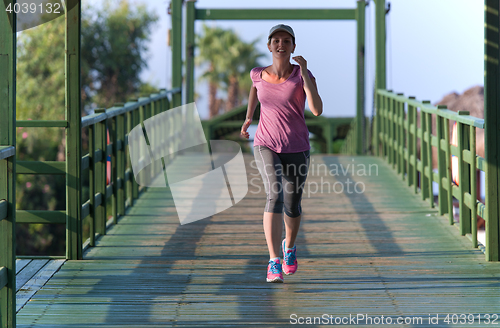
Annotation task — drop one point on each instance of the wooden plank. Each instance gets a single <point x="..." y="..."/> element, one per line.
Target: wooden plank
<point x="42" y="124"/>
<point x="36" y="216"/>
<point x="34" y="284"/>
<point x="28" y="272"/>
<point x="39" y="167"/>
<point x="21" y="264"/>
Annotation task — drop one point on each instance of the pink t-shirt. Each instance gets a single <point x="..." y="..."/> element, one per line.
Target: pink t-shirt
<point x="282" y="126"/>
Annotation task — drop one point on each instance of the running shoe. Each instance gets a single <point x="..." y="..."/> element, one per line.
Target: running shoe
<point x="289" y="260"/>
<point x="274" y="273"/>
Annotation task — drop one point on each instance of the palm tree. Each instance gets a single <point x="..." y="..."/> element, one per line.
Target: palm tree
<point x="212" y="52"/>
<point x="242" y="58"/>
<point x="230" y="59"/>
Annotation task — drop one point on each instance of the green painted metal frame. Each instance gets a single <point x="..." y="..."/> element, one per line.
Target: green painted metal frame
<point x="8" y="42"/>
<point x="73" y="132"/>
<point x="492" y="121"/>
<point x="279" y="14"/>
<point x="176" y="36"/>
<point x="397" y="142"/>
<point x="360" y="87"/>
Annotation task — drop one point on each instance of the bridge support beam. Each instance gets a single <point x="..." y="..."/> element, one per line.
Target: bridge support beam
<point x="360" y="90"/>
<point x="73" y="132"/>
<point x="491" y="131"/>
<point x="176" y="16"/>
<point x="190" y="19"/>
<point x="380" y="60"/>
<point x="8" y="41"/>
<point x="380" y="39"/>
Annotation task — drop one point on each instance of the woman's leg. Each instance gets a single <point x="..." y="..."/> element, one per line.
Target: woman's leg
<point x="295" y="175"/>
<point x="292" y="226"/>
<point x="270" y="168"/>
<point x="273" y="229"/>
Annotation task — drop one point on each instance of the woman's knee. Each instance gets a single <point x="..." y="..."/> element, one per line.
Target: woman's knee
<point x="275" y="203"/>
<point x="293" y="211"/>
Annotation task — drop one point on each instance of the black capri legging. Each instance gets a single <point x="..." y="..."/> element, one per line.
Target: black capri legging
<point x="288" y="192"/>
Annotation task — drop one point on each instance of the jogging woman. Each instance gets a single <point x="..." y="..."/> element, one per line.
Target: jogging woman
<point x="281" y="143"/>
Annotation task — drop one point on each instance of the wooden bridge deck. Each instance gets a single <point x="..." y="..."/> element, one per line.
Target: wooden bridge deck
<point x="379" y="252"/>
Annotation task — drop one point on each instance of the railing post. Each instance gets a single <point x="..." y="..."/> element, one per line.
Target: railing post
<point x="403" y="146"/>
<point x="449" y="184"/>
<point x="120" y="163"/>
<point x="430" y="192"/>
<point x="491" y="131"/>
<point x="113" y="136"/>
<point x="360" y="90"/>
<point x="473" y="185"/>
<point x="8" y="41"/>
<point x="92" y="180"/>
<point x="410" y="169"/>
<point x="129" y="196"/>
<point x="135" y="185"/>
<point x="399" y="120"/>
<point x="101" y="174"/>
<point x="146" y="172"/>
<point x="442" y="168"/>
<point x="414" y="138"/>
<point x="73" y="132"/>
<point x="424" y="188"/>
<point x="464" y="174"/>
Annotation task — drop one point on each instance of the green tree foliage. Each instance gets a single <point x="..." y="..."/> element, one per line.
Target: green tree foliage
<point x="115" y="41"/>
<point x="229" y="61"/>
<point x="113" y="49"/>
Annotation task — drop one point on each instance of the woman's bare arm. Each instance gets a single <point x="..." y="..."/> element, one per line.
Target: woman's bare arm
<point x="313" y="98"/>
<point x="311" y="89"/>
<point x="252" y="104"/>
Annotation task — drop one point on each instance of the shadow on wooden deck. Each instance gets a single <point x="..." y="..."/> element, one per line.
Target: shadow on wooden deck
<point x="378" y="252"/>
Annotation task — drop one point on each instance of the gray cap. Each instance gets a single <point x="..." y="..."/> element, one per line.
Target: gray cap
<point x="279" y="28"/>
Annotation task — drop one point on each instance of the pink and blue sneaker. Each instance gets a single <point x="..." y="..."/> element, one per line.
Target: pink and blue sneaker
<point x="289" y="259"/>
<point x="274" y="272"/>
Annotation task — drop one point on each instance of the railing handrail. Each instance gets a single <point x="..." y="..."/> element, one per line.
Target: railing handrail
<point x="428" y="108"/>
<point x="7" y="151"/>
<point x="127" y="107"/>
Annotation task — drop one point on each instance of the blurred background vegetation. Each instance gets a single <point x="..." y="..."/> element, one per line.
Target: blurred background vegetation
<point x="114" y="42"/>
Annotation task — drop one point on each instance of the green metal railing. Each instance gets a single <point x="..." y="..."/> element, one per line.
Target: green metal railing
<point x="122" y="189"/>
<point x="397" y="134"/>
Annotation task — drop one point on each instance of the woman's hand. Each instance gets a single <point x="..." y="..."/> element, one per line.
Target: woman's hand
<point x="302" y="63"/>
<point x="244" y="128"/>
